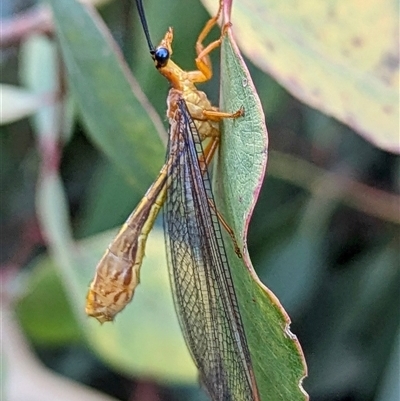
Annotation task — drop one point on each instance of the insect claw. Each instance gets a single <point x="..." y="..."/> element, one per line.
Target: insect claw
<point x="238" y="113"/>
<point x="225" y="28"/>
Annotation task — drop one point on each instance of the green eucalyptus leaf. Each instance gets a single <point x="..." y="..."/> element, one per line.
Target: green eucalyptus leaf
<point x="276" y="354"/>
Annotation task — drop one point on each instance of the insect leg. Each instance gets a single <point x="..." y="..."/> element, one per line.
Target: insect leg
<point x="204" y="161"/>
<point x="217" y="115"/>
<point x="227" y="228"/>
<point x="203" y="62"/>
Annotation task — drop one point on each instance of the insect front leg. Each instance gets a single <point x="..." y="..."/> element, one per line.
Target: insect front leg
<point x="203" y="62"/>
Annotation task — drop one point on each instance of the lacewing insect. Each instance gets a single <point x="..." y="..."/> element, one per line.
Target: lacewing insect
<point x="201" y="281"/>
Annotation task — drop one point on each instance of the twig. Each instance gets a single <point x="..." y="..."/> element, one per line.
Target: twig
<point x="372" y="201"/>
<point x="14" y="30"/>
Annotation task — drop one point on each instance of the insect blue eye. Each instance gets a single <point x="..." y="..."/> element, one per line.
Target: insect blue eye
<point x="161" y="56"/>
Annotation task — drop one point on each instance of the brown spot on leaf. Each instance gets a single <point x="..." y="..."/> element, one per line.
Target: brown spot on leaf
<point x="316" y="93"/>
<point x="270" y="46"/>
<point x="331" y="13"/>
<point x="391" y="61"/>
<point x="356" y="41"/>
<point x="387" y="109"/>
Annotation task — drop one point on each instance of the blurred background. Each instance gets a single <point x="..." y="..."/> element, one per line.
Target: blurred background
<point x="324" y="236"/>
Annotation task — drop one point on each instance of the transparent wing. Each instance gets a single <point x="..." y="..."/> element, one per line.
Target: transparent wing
<point x="201" y="281"/>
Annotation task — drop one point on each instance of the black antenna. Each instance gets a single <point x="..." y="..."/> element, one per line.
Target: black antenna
<point x="144" y="25"/>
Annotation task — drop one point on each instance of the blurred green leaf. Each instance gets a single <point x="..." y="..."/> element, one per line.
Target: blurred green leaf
<point x="109" y="99"/>
<point x="360" y="316"/>
<point x="17" y="103"/>
<point x="103" y="209"/>
<point x="340" y="58"/>
<point x="53" y="325"/>
<point x="295" y="286"/>
<point x="39" y="72"/>
<point x="390" y="386"/>
<point x="53" y="213"/>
